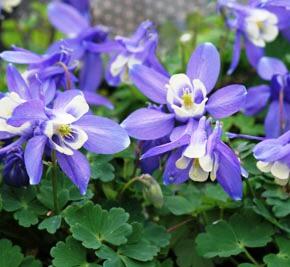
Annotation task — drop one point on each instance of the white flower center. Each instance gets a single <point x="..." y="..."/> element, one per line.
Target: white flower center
<point x="261" y="27"/>
<point x="187" y="98"/>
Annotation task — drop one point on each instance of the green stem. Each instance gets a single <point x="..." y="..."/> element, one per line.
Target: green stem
<point x="250" y="188"/>
<point x="128" y="184"/>
<point x="250" y="257"/>
<point x="54" y="182"/>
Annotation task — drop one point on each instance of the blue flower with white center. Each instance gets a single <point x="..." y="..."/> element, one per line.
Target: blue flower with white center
<point x="257" y="24"/>
<point x="125" y="52"/>
<point x="273" y="157"/>
<point x="65" y="128"/>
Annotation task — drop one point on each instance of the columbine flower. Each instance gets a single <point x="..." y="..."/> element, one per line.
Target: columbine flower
<point x="278" y="117"/>
<point x="19" y="92"/>
<point x="185" y="99"/>
<point x="14" y="172"/>
<point x="65" y="129"/>
<point x="257" y="23"/>
<point x="82" y="6"/>
<point x="186" y="96"/>
<point x="273" y="157"/>
<point x="8" y="5"/>
<point x="127" y="52"/>
<point x="198" y="154"/>
<point x="70" y="21"/>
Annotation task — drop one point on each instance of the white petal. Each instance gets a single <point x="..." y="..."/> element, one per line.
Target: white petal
<point x="182" y="163"/>
<point x="197" y="174"/>
<point x="179" y="81"/>
<point x="78" y="142"/>
<point x="264" y="166"/>
<point x="77" y="107"/>
<point x="118" y="65"/>
<point x="199" y="85"/>
<point x="8" y="103"/>
<point x="206" y="163"/>
<point x="280" y="170"/>
<point x="270" y="33"/>
<point x="4" y="127"/>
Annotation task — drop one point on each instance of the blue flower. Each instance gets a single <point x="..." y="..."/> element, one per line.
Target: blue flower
<point x="126" y="52"/>
<point x="278" y="94"/>
<point x="185" y="99"/>
<point x="65" y="128"/>
<point x="273" y="157"/>
<point x="257" y="23"/>
<point x="14" y="171"/>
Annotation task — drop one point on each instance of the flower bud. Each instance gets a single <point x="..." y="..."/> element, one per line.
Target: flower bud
<point x="152" y="191"/>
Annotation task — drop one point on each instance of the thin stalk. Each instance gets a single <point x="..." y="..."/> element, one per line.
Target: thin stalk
<point x="175" y="227"/>
<point x="128" y="184"/>
<point x="54" y="183"/>
<point x="250" y="257"/>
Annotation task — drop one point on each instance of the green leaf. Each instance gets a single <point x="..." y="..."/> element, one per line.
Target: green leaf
<point x="282" y="259"/>
<point x="137" y="247"/>
<point x="101" y="168"/>
<point x="186" y="202"/>
<point x="157" y="235"/>
<point x="92" y="225"/>
<point x="229" y="238"/>
<point x="70" y="254"/>
<point x="23" y="203"/>
<point x="187" y="256"/>
<point x="10" y="256"/>
<point x="247" y="265"/>
<point x="51" y="224"/>
<point x="113" y="259"/>
<point x="30" y="262"/>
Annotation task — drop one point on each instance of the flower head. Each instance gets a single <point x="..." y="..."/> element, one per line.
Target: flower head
<point x="257" y="23"/>
<point x="65" y="128"/>
<point x="273" y="157"/>
<point x="126" y="52"/>
<point x="277" y="93"/>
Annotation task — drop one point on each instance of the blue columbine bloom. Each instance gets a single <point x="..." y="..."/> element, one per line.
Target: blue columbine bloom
<point x="257" y="23"/>
<point x="278" y="94"/>
<point x="14" y="171"/>
<point x="140" y="48"/>
<point x="186" y="98"/>
<point x="64" y="128"/>
<point x="273" y="157"/>
<point x="68" y="20"/>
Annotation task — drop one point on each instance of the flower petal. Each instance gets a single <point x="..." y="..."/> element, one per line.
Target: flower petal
<point x="148" y="124"/>
<point x="16" y="83"/>
<point x="236" y="53"/>
<point x="229" y="172"/>
<point x="272" y="121"/>
<point x="66" y="19"/>
<point x="256" y="99"/>
<point x="105" y="136"/>
<point x="77" y="169"/>
<point x="33" y="158"/>
<point x="227" y="101"/>
<point x="21" y="57"/>
<point x="151" y="83"/>
<point x="268" y="67"/>
<point x="204" y="65"/>
<point x="173" y="175"/>
<point x="254" y="53"/>
<point x="91" y="72"/>
<point x="95" y="99"/>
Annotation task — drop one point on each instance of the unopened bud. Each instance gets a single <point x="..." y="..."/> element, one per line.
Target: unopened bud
<point x="152" y="190"/>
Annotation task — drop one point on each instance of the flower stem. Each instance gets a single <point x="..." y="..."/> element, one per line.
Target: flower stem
<point x="54" y="182"/>
<point x="250" y="257"/>
<point x="133" y="180"/>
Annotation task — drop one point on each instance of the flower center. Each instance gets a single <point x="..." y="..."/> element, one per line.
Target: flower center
<point x="65" y="130"/>
<point x="187" y="100"/>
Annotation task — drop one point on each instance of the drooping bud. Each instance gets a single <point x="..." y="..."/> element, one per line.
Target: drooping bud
<point x="152" y="191"/>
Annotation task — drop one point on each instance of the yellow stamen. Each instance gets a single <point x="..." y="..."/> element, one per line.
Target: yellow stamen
<point x="64" y="130"/>
<point x="187" y="101"/>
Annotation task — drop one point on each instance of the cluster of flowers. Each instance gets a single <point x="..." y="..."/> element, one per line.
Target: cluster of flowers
<point x="44" y="113"/>
<point x="257" y="24"/>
